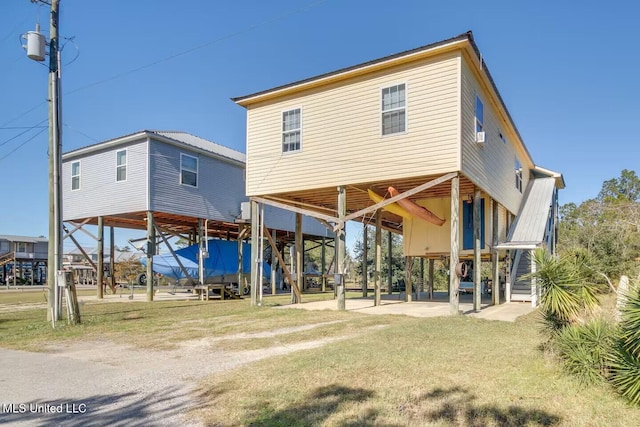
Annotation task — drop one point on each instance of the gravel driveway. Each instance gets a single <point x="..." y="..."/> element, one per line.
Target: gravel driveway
<point x="103" y="383"/>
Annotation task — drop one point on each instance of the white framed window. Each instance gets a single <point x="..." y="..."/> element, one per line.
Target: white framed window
<point x="394" y="109"/>
<point x="121" y="165"/>
<point x="291" y="130"/>
<point x="188" y="170"/>
<point x="479" y="115"/>
<point x="75" y="175"/>
<point x="518" y="168"/>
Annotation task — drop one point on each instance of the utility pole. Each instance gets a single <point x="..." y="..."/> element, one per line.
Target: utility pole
<point x="36" y="50"/>
<point x="55" y="156"/>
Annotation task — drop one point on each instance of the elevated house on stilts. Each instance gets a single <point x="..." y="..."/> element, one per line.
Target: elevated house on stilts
<point x="428" y="123"/>
<point x="171" y="184"/>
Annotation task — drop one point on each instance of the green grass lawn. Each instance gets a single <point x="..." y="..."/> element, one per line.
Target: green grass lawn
<point x="371" y="370"/>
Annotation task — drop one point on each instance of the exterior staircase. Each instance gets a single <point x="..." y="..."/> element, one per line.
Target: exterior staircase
<point x="521" y="287"/>
<point x="6" y="258"/>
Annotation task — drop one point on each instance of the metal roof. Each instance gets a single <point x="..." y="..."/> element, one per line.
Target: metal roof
<point x="531" y="222"/>
<point x="175" y="137"/>
<point x="203" y="144"/>
<point x="26" y="239"/>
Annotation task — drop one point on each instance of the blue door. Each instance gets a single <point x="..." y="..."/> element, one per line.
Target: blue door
<point x="467" y="225"/>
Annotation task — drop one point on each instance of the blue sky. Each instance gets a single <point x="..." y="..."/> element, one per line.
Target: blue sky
<point x="566" y="70"/>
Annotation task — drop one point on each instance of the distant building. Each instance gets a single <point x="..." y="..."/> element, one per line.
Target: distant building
<point x="23" y="259"/>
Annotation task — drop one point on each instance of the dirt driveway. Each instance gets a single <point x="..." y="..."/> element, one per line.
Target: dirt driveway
<point x="103" y="383"/>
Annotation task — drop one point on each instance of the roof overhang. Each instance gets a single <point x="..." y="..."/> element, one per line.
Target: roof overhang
<point x="560" y="184"/>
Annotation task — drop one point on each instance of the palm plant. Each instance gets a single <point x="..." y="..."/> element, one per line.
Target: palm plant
<point x="585" y="348"/>
<point x="625" y="358"/>
<point x="564" y="294"/>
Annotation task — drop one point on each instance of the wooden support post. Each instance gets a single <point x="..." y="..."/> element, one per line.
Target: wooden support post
<point x="299" y="254"/>
<point x="274" y="262"/>
<point x="477" y="261"/>
<point x="296" y="293"/>
<point x="323" y="261"/>
<point x="389" y="263"/>
<point x="408" y="286"/>
<point x="495" y="285"/>
<point x="255" y="224"/>
<point x="365" y="260"/>
<point x="151" y="251"/>
<point x="454" y="280"/>
<point x="112" y="260"/>
<point x="341" y="247"/>
<point x="378" y="268"/>
<point x="100" y="266"/>
<point x="420" y="284"/>
<point x="431" y="265"/>
<point x="242" y="232"/>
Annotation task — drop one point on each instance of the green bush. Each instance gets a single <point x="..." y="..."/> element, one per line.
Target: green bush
<point x="584" y="349"/>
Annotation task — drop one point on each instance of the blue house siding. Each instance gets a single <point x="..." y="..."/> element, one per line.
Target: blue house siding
<point x="220" y="187"/>
<point x="99" y="192"/>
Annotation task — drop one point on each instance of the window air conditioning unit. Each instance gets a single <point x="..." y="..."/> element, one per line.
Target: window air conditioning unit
<point x="245" y="211"/>
<point x="480" y="137"/>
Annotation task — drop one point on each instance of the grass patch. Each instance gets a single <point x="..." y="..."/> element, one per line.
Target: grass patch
<point x="438" y="371"/>
<point x="372" y="370"/>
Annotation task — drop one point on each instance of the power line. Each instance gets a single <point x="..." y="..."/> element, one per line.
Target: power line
<point x="209" y="43"/>
<point x="21" y="145"/>
<point x="22" y="133"/>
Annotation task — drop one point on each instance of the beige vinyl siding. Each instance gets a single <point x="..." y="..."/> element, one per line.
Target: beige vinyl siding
<point x="342" y="142"/>
<point x="423" y="238"/>
<point x="490" y="165"/>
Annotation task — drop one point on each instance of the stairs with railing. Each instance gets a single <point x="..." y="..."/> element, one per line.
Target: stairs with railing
<point x="521" y="285"/>
<point x="6" y="258"/>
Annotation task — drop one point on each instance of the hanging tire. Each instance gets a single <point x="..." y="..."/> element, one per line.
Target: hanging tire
<point x="142" y="279"/>
<point x="246" y="290"/>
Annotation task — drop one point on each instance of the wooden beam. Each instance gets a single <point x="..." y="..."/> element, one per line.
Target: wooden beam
<point x="454" y="280"/>
<point x="495" y="286"/>
<point x="151" y="250"/>
<point x="341" y="247"/>
<point x="408" y="286"/>
<point x="365" y="256"/>
<point x="285" y="269"/>
<point x="285" y="206"/>
<point x="175" y="256"/>
<point x="299" y="253"/>
<point x="100" y="269"/>
<point x="76" y="227"/>
<point x="431" y="268"/>
<point x="389" y="263"/>
<point x="477" y="262"/>
<point x="112" y="261"/>
<point x="407" y="193"/>
<point x="378" y="266"/>
<point x="255" y="223"/>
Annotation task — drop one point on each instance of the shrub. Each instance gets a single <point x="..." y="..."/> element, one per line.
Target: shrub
<point x="584" y="349"/>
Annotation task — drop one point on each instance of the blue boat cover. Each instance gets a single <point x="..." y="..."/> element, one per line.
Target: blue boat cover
<point x="222" y="260"/>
